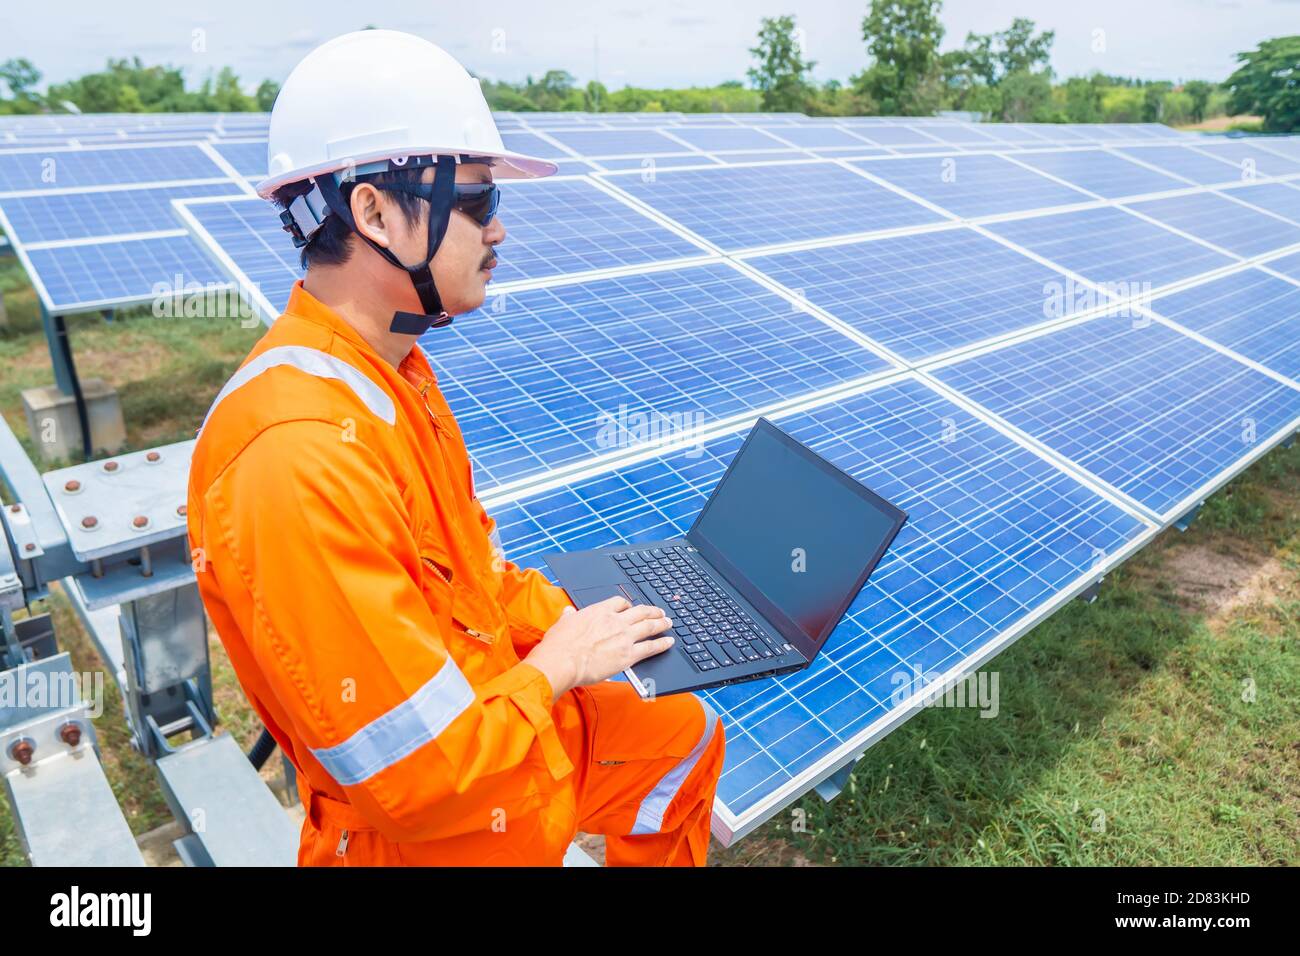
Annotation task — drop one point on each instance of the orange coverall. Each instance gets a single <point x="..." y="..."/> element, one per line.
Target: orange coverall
<point x="349" y="570"/>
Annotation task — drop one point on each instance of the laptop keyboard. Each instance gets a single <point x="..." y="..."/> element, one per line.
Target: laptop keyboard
<point x="711" y="629"/>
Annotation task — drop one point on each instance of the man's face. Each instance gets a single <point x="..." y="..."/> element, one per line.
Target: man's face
<point x="462" y="267"/>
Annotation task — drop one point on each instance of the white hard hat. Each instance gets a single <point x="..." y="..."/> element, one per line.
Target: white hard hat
<point x="380" y="95"/>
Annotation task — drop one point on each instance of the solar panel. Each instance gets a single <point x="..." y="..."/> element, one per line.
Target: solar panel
<point x="125" y="272"/>
<point x="975" y="184"/>
<point x="37" y="217"/>
<point x="624" y="142"/>
<point x="1282" y="199"/>
<point x="1251" y="160"/>
<point x="766" y="156"/>
<point x="80" y="168"/>
<point x="897" y="136"/>
<point x="808" y="136"/>
<point x="649" y="163"/>
<point x="1250" y="312"/>
<point x="709" y="138"/>
<point x="1185" y="162"/>
<point x="1109" y="245"/>
<point x="746" y="206"/>
<point x="249" y="159"/>
<point x="1141" y="406"/>
<point x="563" y="226"/>
<point x="1106" y="174"/>
<point x="923" y="294"/>
<point x="538" y="378"/>
<point x="530" y="144"/>
<point x="1287" y="265"/>
<point x="1229" y="225"/>
<point x="994" y="534"/>
<point x="246" y="237"/>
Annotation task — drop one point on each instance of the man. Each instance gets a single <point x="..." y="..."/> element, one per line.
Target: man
<point x="440" y="705"/>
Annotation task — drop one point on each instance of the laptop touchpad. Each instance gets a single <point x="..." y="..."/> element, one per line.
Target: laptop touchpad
<point x="583" y="597"/>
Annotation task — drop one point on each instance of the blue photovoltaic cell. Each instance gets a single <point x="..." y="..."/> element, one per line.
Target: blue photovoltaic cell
<point x="958" y="134"/>
<point x="1106" y="174"/>
<point x="249" y="159"/>
<point x="557" y="227"/>
<point x="42" y="218"/>
<point x="762" y="205"/>
<point x="572" y="167"/>
<point x="130" y="270"/>
<point x="536" y="377"/>
<point x="1287" y="265"/>
<point x="1229" y="225"/>
<point x="1141" y="406"/>
<point x="530" y="144"/>
<point x="857" y="152"/>
<point x="897" y="136"/>
<point x="1251" y="160"/>
<point x="1280" y="198"/>
<point x="736" y="137"/>
<point x="1185" y="162"/>
<point x="617" y="142"/>
<point x="1017" y="133"/>
<point x="656" y="162"/>
<point x="763" y="157"/>
<point x="808" y="136"/>
<point x="993" y="533"/>
<point x="76" y="169"/>
<point x="1250" y="312"/>
<point x="1286" y="145"/>
<point x="923" y="294"/>
<point x="249" y="232"/>
<point x="1111" y="245"/>
<point x="974" y="185"/>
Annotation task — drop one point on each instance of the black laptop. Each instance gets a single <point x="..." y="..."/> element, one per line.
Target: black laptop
<point x="783" y="545"/>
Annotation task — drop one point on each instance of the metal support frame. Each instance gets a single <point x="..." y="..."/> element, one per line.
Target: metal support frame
<point x="1185" y="522"/>
<point x="127" y="574"/>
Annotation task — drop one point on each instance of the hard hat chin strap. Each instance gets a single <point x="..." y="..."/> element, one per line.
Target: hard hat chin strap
<point x="444" y="182"/>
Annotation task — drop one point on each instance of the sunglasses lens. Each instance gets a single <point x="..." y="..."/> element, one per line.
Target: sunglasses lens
<point x="479" y="202"/>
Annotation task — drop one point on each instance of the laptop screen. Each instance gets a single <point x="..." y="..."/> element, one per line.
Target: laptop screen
<point x="793" y="533"/>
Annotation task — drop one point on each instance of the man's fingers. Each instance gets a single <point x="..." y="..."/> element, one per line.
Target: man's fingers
<point x="648" y="627"/>
<point x="643" y="649"/>
<point x="640" y="612"/>
<point x="616" y="603"/>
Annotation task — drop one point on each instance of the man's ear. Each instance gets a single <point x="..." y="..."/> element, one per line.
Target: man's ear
<point x="369" y="208"/>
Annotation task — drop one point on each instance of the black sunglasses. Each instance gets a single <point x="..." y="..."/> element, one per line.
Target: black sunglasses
<point x="479" y="201"/>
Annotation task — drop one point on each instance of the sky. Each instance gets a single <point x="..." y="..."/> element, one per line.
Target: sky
<point x="665" y="43"/>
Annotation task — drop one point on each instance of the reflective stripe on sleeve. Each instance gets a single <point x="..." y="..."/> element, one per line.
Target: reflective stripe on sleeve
<point x="410" y="725"/>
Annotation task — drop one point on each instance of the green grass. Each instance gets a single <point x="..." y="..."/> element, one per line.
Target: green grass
<point x="1129" y="709"/>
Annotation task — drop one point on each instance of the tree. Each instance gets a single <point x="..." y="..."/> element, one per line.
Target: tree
<point x="781" y="73"/>
<point x="20" y="75"/>
<point x="595" y="96"/>
<point x="266" y="95"/>
<point x="1083" y="98"/>
<point x="1026" y="97"/>
<point x="1200" y="92"/>
<point x="902" y="38"/>
<point x="1268" y="84"/>
<point x="974" y="73"/>
<point x="1153" y="101"/>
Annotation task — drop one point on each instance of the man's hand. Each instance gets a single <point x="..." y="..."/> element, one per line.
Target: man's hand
<point x="588" y="646"/>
